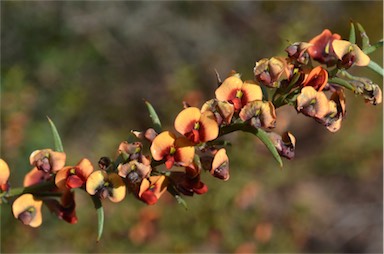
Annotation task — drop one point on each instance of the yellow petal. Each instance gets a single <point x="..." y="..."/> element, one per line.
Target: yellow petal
<point x="161" y="145"/>
<point x="186" y="119"/>
<point x="341" y="47"/>
<point x="185" y="151"/>
<point x="25" y="202"/>
<point x="85" y="167"/>
<point x="4" y="172"/>
<point x="58" y="160"/>
<point x="95" y="180"/>
<point x="227" y="90"/>
<point x="251" y="92"/>
<point x="61" y="177"/>
<point x="220" y="165"/>
<point x="118" y="188"/>
<point x="361" y="58"/>
<point x="209" y="129"/>
<point x="322" y="105"/>
<point x="307" y="94"/>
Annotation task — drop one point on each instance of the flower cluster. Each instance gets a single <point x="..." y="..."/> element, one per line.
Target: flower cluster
<point x="311" y="78"/>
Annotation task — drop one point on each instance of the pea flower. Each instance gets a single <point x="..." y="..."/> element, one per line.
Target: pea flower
<point x="349" y="54"/>
<point x="47" y="160"/>
<point x="298" y="53"/>
<point x="132" y="151"/>
<point x="322" y="49"/>
<point x="372" y="92"/>
<point x="65" y="209"/>
<point x="270" y="72"/>
<point x="196" y="126"/>
<point x="152" y="189"/>
<point x="105" y="185"/>
<point x="317" y="78"/>
<point x="336" y="111"/>
<point x="189" y="182"/>
<point x="35" y="176"/>
<point x="74" y="176"/>
<point x="238" y="93"/>
<point x="220" y="165"/>
<point x="312" y="103"/>
<point x="28" y="210"/>
<point x="285" y="144"/>
<point x="4" y="176"/>
<point x="222" y="110"/>
<point x="179" y="151"/>
<point x="259" y="114"/>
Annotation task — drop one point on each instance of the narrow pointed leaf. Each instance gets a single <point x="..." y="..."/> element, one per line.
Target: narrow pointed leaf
<point x="375" y="67"/>
<point x="342" y="83"/>
<point x="100" y="216"/>
<point x="56" y="137"/>
<point x="263" y="136"/>
<point x="364" y="36"/>
<point x="155" y="118"/>
<point x="373" y="47"/>
<point x="352" y="35"/>
<point x="171" y="189"/>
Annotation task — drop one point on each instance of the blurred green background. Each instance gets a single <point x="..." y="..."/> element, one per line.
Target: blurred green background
<point x="88" y="65"/>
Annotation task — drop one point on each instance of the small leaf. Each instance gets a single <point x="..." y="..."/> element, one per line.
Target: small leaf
<point x="56" y="137"/>
<point x="375" y="67"/>
<point x="352" y="35"/>
<point x="100" y="216"/>
<point x="263" y="136"/>
<point x="342" y="83"/>
<point x="364" y="36"/>
<point x="373" y="47"/>
<point x="155" y="118"/>
<point x="264" y="92"/>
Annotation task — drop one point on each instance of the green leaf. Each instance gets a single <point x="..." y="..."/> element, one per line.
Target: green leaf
<point x="364" y="36"/>
<point x="373" y="47"/>
<point x="352" y="35"/>
<point x="56" y="137"/>
<point x="171" y="189"/>
<point x="263" y="136"/>
<point x="155" y="118"/>
<point x="375" y="67"/>
<point x="342" y="83"/>
<point x="100" y="216"/>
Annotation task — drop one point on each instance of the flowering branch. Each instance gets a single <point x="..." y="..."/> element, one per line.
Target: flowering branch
<point x="311" y="79"/>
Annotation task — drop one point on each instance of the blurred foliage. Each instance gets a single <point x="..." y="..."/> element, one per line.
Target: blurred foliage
<point x="88" y="65"/>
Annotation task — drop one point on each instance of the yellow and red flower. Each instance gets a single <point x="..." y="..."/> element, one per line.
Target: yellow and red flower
<point x="65" y="209"/>
<point x="237" y="92"/>
<point x="105" y="185"/>
<point x="47" y="160"/>
<point x="4" y="176"/>
<point x="152" y="189"/>
<point x="196" y="126"/>
<point x="322" y="49"/>
<point x="317" y="78"/>
<point x="179" y="151"/>
<point x="349" y="54"/>
<point x="74" y="176"/>
<point x="28" y="210"/>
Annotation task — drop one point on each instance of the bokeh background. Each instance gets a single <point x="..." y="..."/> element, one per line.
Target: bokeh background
<point x="88" y="65"/>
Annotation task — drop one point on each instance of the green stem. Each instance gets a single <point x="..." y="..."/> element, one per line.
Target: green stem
<point x="37" y="189"/>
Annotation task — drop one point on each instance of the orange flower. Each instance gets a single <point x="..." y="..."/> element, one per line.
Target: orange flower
<point x="4" y="175"/>
<point x="238" y="93"/>
<point x="74" y="176"/>
<point x="179" y="151"/>
<point x="196" y="126"/>
<point x="28" y="210"/>
<point x="47" y="160"/>
<point x="312" y="103"/>
<point x="151" y="189"/>
<point x="106" y="185"/>
<point x="220" y="165"/>
<point x="349" y="54"/>
<point x="317" y="78"/>
<point x="222" y="110"/>
<point x="259" y="114"/>
<point x="35" y="176"/>
<point x="322" y="49"/>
